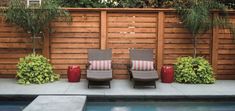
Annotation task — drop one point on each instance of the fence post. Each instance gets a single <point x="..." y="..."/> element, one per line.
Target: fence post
<point x="214" y="49"/>
<point x="46" y="44"/>
<point x="160" y="41"/>
<point x="103" y="30"/>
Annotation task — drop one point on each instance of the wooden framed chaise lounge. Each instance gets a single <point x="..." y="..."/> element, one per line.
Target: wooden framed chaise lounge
<point x="99" y="71"/>
<point x="141" y="69"/>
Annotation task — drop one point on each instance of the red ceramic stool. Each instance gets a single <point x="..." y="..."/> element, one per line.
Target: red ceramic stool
<point x="74" y="73"/>
<point x="167" y="74"/>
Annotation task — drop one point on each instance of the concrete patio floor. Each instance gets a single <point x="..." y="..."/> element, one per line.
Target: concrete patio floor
<point x="118" y="88"/>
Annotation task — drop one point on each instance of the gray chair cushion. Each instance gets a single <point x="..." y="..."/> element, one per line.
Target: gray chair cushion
<point x="144" y="75"/>
<point x="99" y="75"/>
<point x="138" y="54"/>
<point x="97" y="54"/>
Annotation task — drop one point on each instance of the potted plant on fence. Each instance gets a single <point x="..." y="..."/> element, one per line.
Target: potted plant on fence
<point x="33" y="20"/>
<point x="196" y="17"/>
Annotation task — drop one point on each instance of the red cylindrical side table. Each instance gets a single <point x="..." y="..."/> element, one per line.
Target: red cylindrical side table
<point x="167" y="74"/>
<point x="74" y="73"/>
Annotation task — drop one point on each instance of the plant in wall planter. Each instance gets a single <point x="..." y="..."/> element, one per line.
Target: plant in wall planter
<point x="34" y="20"/>
<point x="35" y="69"/>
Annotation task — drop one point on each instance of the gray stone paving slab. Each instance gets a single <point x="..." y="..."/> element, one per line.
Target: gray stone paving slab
<point x="57" y="103"/>
<point x="57" y="87"/>
<point x="118" y="88"/>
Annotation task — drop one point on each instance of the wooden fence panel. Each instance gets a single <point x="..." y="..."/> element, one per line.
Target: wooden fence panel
<point x="14" y="44"/>
<point x="178" y="41"/>
<point x="127" y="31"/>
<point x="119" y="30"/>
<point x="226" y="54"/>
<point x="69" y="42"/>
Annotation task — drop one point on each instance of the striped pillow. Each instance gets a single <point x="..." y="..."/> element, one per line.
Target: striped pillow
<point x="140" y="65"/>
<point x="100" y="65"/>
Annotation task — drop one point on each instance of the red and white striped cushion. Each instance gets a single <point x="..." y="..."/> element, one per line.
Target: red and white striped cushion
<point x="100" y="65"/>
<point x="140" y="65"/>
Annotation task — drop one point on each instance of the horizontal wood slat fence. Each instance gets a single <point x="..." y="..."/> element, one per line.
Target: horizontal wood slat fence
<point x="121" y="30"/>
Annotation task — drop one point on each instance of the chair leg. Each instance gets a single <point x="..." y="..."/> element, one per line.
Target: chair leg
<point x="134" y="84"/>
<point x="88" y="84"/>
<point x="109" y="85"/>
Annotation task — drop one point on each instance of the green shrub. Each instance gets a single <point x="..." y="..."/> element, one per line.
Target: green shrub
<point x="137" y="3"/>
<point x="229" y="3"/>
<point x="35" y="69"/>
<point x="172" y="3"/>
<point x="86" y="3"/>
<point x="193" y="70"/>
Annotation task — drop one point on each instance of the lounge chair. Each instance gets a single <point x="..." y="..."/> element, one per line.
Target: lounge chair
<point x="99" y="73"/>
<point x="147" y="75"/>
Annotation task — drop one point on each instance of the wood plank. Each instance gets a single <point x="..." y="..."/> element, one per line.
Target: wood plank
<point x="6" y="56"/>
<point x="127" y="25"/>
<point x="71" y="30"/>
<point x="75" y="40"/>
<point x="214" y="52"/>
<point x="69" y="51"/>
<point x="140" y="46"/>
<point x="185" y="36"/>
<point x="131" y="14"/>
<point x="69" y="61"/>
<point x="75" y="56"/>
<point x="86" y="14"/>
<point x="160" y="41"/>
<point x="132" y="19"/>
<point x="132" y="35"/>
<point x="65" y="67"/>
<point x="76" y="34"/>
<point x="228" y="66"/>
<point x="121" y="76"/>
<point x="187" y="41"/>
<point x="8" y="66"/>
<point x="186" y="46"/>
<point x="137" y="41"/>
<point x="15" y="40"/>
<point x="46" y="44"/>
<point x="225" y="77"/>
<point x="226" y="62"/>
<point x="75" y="45"/>
<point x="103" y="30"/>
<point x="132" y="29"/>
<point x="184" y="51"/>
<point x="9" y="61"/>
<point x="75" y="24"/>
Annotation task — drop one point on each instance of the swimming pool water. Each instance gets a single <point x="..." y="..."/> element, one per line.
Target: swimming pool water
<point x="13" y="105"/>
<point x="160" y="106"/>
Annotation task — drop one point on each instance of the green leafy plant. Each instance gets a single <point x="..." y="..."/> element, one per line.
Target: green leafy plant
<point x="229" y="3"/>
<point x="110" y="3"/>
<point x="196" y="17"/>
<point x="34" y="19"/>
<point x="87" y="3"/>
<point x="193" y="70"/>
<point x="137" y="3"/>
<point x="172" y="3"/>
<point x="35" y="69"/>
